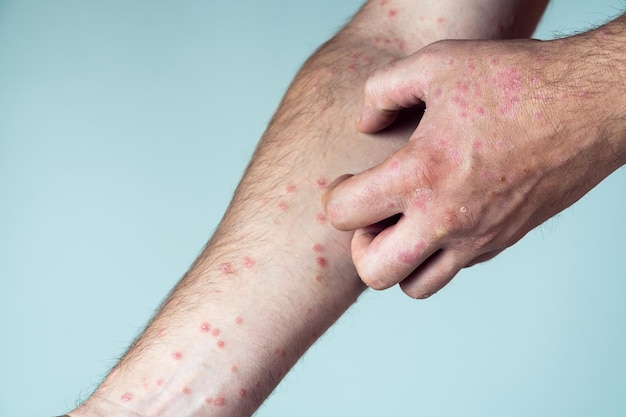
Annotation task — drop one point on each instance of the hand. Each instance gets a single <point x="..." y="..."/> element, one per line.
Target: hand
<point x="514" y="132"/>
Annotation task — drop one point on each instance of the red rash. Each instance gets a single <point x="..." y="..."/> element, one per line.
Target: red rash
<point x="186" y="390"/>
<point x="280" y="352"/>
<point x="320" y="218"/>
<point x="282" y="206"/>
<point x="177" y="355"/>
<point x="321" y="183"/>
<point x="392" y="13"/>
<point x="410" y="256"/>
<point x="321" y="261"/>
<point x="234" y="369"/>
<point x="215" y="332"/>
<point x="126" y="397"/>
<point x="248" y="262"/>
<point x="238" y="320"/>
<point x="318" y="278"/>
<point x="243" y="393"/>
<point x="220" y="344"/>
<point x="208" y="400"/>
<point x="226" y="268"/>
<point x="205" y="327"/>
<point x="318" y="248"/>
<point x="291" y="188"/>
<point x="220" y="401"/>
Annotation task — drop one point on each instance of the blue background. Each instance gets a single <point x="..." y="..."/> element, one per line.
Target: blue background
<point x="124" y="128"/>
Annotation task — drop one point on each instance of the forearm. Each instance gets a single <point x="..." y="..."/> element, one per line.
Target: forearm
<point x="275" y="275"/>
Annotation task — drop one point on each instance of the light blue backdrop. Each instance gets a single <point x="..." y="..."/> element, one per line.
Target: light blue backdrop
<point x="124" y="128"/>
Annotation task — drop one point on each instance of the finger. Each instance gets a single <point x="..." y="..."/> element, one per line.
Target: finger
<point x="385" y="257"/>
<point x="399" y="85"/>
<point x="433" y="274"/>
<point x="366" y="198"/>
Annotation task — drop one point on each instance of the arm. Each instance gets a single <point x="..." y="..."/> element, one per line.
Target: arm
<point x="515" y="132"/>
<point x="275" y="275"/>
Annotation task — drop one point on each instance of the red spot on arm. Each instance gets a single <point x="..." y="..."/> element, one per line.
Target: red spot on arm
<point x="318" y="247"/>
<point x="291" y="188"/>
<point x="208" y="400"/>
<point x="321" y="261"/>
<point x="441" y="20"/>
<point x="392" y="13"/>
<point x="320" y="218"/>
<point x="238" y="320"/>
<point x="186" y="390"/>
<point x="226" y="268"/>
<point x="205" y="327"/>
<point x="282" y="206"/>
<point x="126" y="397"/>
<point x="243" y="393"/>
<point x="177" y="355"/>
<point x="248" y="262"/>
<point x="280" y="352"/>
<point x="321" y="183"/>
<point x="220" y="401"/>
<point x="234" y="369"/>
<point x="220" y="344"/>
<point x="215" y="332"/>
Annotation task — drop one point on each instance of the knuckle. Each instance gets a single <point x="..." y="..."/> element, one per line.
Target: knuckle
<point x="418" y="181"/>
<point x="459" y="220"/>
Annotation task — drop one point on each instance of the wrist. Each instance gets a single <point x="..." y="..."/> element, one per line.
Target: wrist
<point x="600" y="82"/>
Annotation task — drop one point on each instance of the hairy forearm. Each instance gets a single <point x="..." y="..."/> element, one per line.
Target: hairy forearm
<point x="276" y="275"/>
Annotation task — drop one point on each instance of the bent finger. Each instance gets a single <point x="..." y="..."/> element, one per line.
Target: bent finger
<point x="366" y="198"/>
<point x="397" y="86"/>
<point x="384" y="257"/>
<point x="433" y="274"/>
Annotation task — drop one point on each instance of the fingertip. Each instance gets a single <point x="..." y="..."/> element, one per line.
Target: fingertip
<point x="331" y="202"/>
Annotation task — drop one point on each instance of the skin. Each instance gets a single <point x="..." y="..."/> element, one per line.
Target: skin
<point x="276" y="274"/>
<point x="514" y="133"/>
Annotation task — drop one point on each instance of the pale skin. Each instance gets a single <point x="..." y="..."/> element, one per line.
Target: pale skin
<point x="514" y="132"/>
<point x="276" y="274"/>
